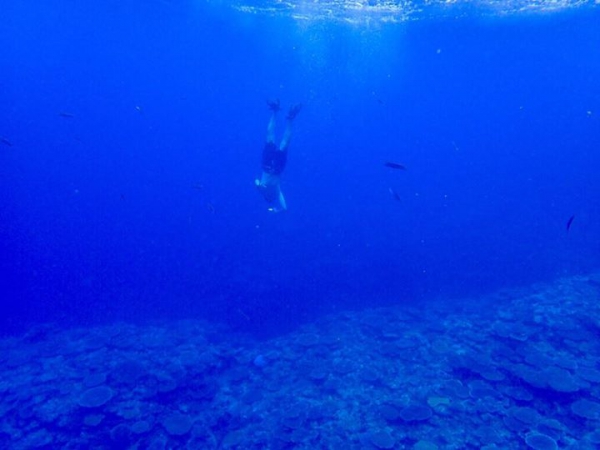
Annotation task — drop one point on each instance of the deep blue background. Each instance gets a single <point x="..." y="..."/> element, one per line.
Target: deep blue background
<point x="141" y="206"/>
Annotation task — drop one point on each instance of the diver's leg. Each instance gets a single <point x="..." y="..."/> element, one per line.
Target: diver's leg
<point x="274" y="107"/>
<point x="287" y="134"/>
<point x="281" y="200"/>
<point x="271" y="129"/>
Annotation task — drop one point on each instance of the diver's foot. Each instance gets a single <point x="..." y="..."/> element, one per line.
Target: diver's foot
<point x="274" y="105"/>
<point x="294" y="110"/>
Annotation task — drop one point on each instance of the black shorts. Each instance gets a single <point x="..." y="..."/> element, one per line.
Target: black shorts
<point x="273" y="159"/>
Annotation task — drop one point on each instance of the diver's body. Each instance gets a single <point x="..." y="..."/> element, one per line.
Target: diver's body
<point x="274" y="159"/>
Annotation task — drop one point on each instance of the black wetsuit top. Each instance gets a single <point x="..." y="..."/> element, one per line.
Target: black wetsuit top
<point x="273" y="159"/>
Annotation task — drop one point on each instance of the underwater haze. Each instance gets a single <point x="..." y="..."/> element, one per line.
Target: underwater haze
<point x="135" y="132"/>
<point x="442" y="222"/>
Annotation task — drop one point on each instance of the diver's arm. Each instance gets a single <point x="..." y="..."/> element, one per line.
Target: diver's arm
<point x="282" y="205"/>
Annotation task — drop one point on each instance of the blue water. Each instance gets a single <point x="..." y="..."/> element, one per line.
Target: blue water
<point x="132" y="133"/>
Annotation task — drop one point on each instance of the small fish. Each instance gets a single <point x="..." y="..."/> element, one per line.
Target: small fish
<point x="395" y="195"/>
<point x="394" y="165"/>
<point x="198" y="186"/>
<point x="66" y="115"/>
<point x="210" y="207"/>
<point x="6" y="142"/>
<point x="243" y="314"/>
<point x="122" y="197"/>
<point x="569" y="222"/>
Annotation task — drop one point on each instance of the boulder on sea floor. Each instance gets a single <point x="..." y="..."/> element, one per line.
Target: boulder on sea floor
<point x="390" y="413"/>
<point x="586" y="409"/>
<point x="177" y="424"/>
<point x="560" y="380"/>
<point x="416" y="413"/>
<point x="525" y="415"/>
<point x="382" y="440"/>
<point x="539" y="441"/>
<point x="425" y="445"/>
<point x="95" y="397"/>
<point x="93" y="420"/>
<point x="518" y="393"/>
<point x="141" y="427"/>
<point x="589" y="374"/>
<point x="128" y="372"/>
<point x="94" y="379"/>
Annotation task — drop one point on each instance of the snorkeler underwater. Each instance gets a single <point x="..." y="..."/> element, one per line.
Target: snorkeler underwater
<point x="294" y="224"/>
